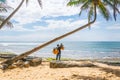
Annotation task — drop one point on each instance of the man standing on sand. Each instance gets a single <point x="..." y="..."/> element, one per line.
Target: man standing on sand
<point x="58" y="56"/>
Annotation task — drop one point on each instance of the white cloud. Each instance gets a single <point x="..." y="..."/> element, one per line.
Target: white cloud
<point x="54" y="28"/>
<point x="58" y="8"/>
<point x="114" y="27"/>
<point x="53" y="8"/>
<point x="33" y="12"/>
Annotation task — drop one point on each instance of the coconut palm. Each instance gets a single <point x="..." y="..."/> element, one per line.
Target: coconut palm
<point x="113" y="4"/>
<point x="11" y="15"/>
<point x="8" y="18"/>
<point x="4" y="8"/>
<point x="90" y="5"/>
<point x="8" y="24"/>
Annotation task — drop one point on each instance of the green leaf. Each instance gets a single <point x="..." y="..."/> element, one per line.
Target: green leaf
<point x="104" y="11"/>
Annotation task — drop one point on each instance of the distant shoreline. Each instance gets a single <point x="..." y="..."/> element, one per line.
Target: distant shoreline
<point x="109" y="61"/>
<point x="98" y="59"/>
<point x="73" y="49"/>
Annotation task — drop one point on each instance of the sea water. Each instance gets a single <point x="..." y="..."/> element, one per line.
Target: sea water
<point x="73" y="49"/>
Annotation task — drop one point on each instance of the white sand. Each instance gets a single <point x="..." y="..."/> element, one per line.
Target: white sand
<point x="43" y="72"/>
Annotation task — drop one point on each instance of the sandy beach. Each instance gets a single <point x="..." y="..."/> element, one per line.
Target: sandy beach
<point x="59" y="40"/>
<point x="44" y="72"/>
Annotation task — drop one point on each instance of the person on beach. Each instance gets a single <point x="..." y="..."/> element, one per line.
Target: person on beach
<point x="62" y="47"/>
<point x="58" y="56"/>
<point x="59" y="48"/>
<point x="57" y="51"/>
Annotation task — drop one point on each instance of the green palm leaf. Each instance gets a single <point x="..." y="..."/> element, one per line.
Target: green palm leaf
<point x="8" y="24"/>
<point x="114" y="4"/>
<point x="101" y="5"/>
<point x="84" y="7"/>
<point x="4" y="7"/>
<point x="104" y="11"/>
<point x="90" y="14"/>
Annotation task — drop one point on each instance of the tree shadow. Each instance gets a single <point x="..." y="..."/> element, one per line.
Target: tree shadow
<point x="113" y="71"/>
<point x="79" y="77"/>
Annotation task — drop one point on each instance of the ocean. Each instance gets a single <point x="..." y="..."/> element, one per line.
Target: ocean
<point x="73" y="49"/>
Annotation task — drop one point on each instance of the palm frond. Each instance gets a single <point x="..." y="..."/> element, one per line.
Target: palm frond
<point x="104" y="11"/>
<point x="75" y="2"/>
<point x="114" y="10"/>
<point x="4" y="7"/>
<point x="40" y="3"/>
<point x="27" y="1"/>
<point x="90" y="14"/>
<point x="113" y="4"/>
<point x="84" y="7"/>
<point x="8" y="24"/>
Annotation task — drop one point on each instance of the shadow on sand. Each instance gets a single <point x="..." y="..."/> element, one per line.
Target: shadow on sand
<point x="79" y="77"/>
<point x="113" y="71"/>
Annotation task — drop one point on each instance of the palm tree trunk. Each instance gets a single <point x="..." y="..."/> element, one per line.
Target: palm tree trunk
<point x="9" y="62"/>
<point x="8" y="18"/>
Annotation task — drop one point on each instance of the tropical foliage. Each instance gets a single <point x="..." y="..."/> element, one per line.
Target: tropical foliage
<point x="8" y="24"/>
<point x="4" y="8"/>
<point x="92" y="6"/>
<point x="113" y="4"/>
<point x="101" y="5"/>
<point x="13" y="13"/>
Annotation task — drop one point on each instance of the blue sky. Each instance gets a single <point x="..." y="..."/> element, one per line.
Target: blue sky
<point x="34" y="24"/>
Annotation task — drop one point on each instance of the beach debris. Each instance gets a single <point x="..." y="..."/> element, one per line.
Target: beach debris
<point x="58" y="64"/>
<point x="25" y="62"/>
<point x="12" y="66"/>
<point x="35" y="61"/>
<point x="20" y="63"/>
<point x="7" y="55"/>
<point x="67" y="64"/>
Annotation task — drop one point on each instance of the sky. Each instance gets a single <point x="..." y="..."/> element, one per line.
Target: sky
<point x="31" y="23"/>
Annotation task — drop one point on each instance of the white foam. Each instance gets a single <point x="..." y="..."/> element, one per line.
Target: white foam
<point x="4" y="44"/>
<point x="7" y="44"/>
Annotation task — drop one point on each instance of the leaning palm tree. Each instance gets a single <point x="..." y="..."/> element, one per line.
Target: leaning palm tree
<point x="8" y="18"/>
<point x="90" y="5"/>
<point x="8" y="23"/>
<point x="13" y="13"/>
<point x="4" y="8"/>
